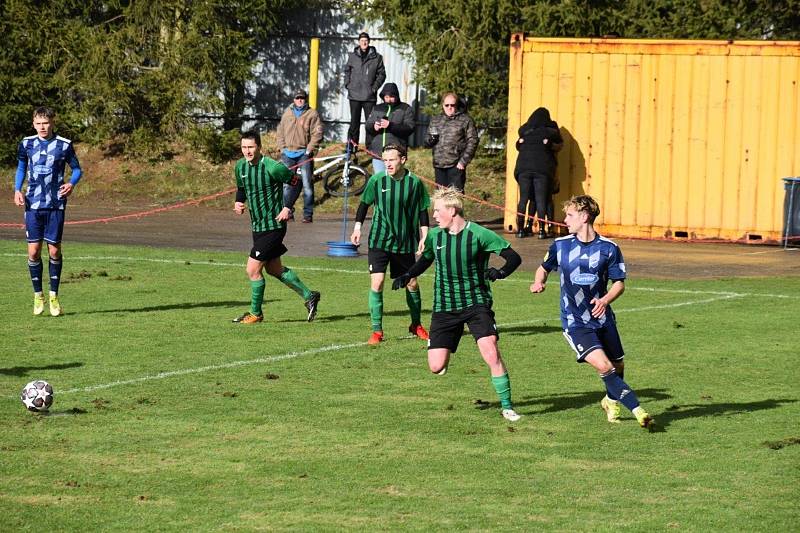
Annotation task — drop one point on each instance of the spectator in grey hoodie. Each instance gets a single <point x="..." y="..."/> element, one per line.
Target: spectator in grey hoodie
<point x="364" y="74"/>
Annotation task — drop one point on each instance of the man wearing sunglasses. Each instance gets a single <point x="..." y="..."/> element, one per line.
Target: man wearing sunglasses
<point x="454" y="140"/>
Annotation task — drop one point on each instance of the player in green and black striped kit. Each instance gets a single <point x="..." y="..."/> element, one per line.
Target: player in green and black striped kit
<point x="399" y="226"/>
<point x="462" y="295"/>
<point x="259" y="182"/>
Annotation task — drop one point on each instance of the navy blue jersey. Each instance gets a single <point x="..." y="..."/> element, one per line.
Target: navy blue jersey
<point x="45" y="162"/>
<point x="584" y="269"/>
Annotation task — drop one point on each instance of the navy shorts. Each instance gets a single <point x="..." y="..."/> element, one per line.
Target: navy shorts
<point x="447" y="328"/>
<point x="586" y="340"/>
<point x="398" y="263"/>
<point x="44" y="225"/>
<point x="268" y="245"/>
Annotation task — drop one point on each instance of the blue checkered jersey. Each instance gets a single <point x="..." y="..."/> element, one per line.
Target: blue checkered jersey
<point x="43" y="163"/>
<point x="585" y="269"/>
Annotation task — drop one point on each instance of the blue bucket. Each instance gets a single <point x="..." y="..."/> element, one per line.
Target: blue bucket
<point x="342" y="249"/>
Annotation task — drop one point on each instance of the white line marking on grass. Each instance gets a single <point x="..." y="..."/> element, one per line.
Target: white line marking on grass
<point x="631" y="310"/>
<point x="360" y="272"/>
<point x="719" y="295"/>
<point x="722" y="293"/>
<point x="189" y="261"/>
<point x="233" y="364"/>
<point x="337" y="347"/>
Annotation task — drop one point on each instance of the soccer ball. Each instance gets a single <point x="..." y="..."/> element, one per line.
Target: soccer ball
<point x="37" y="395"/>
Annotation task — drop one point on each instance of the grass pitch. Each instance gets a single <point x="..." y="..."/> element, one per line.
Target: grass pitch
<point x="169" y="417"/>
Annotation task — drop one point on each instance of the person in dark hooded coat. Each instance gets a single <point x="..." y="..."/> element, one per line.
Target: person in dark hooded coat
<point x="539" y="140"/>
<point x="391" y="122"/>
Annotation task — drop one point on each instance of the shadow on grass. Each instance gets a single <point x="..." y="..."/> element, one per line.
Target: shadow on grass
<point x="177" y="306"/>
<point x="679" y="412"/>
<point x="336" y="318"/>
<point x="20" y="371"/>
<point x="67" y="412"/>
<point x="568" y="401"/>
<point x="516" y="331"/>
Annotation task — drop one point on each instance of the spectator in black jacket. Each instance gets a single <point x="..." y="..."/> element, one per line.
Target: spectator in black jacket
<point x="539" y="140"/>
<point x="363" y="76"/>
<point x="391" y="122"/>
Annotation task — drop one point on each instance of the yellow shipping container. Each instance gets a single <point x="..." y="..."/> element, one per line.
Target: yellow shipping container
<point x="673" y="138"/>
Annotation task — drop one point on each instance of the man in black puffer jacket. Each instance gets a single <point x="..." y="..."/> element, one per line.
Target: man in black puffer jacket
<point x="391" y="122"/>
<point x="363" y="76"/>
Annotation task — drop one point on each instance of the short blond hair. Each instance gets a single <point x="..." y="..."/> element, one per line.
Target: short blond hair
<point x="450" y="197"/>
<point x="585" y="204"/>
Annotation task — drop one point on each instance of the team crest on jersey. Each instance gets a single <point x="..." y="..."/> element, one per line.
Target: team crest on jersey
<point x="594" y="261"/>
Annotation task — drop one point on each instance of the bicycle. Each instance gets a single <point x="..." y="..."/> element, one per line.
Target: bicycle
<point x="341" y="174"/>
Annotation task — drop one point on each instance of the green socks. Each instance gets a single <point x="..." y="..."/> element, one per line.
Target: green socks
<point x="502" y="385"/>
<point x="376" y="310"/>
<point x="256" y="295"/>
<point x="414" y="301"/>
<point x="290" y="279"/>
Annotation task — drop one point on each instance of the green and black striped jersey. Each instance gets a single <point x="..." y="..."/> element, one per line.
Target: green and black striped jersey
<point x="263" y="185"/>
<point x="461" y="262"/>
<point x="397" y="204"/>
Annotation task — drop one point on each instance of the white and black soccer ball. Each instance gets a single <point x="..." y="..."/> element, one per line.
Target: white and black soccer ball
<point x="37" y="396"/>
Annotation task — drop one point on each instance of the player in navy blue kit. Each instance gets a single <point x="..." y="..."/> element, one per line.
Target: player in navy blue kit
<point x="586" y="263"/>
<point x="42" y="160"/>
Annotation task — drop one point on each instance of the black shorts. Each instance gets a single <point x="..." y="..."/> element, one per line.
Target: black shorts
<point x="399" y="264"/>
<point x="268" y="244"/>
<point x="447" y="328"/>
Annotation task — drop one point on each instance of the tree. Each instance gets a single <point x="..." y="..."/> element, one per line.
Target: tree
<point x="462" y="45"/>
<point x="128" y="69"/>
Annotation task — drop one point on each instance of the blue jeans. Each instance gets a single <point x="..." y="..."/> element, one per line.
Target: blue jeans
<point x="378" y="166"/>
<point x="290" y="193"/>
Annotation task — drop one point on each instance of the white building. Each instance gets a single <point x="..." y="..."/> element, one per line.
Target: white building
<point x="284" y="67"/>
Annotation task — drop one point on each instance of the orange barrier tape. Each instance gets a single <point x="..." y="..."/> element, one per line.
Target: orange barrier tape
<point x="478" y="200"/>
<point x="141" y="214"/>
<point x="138" y="214"/>
<point x="200" y="200"/>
